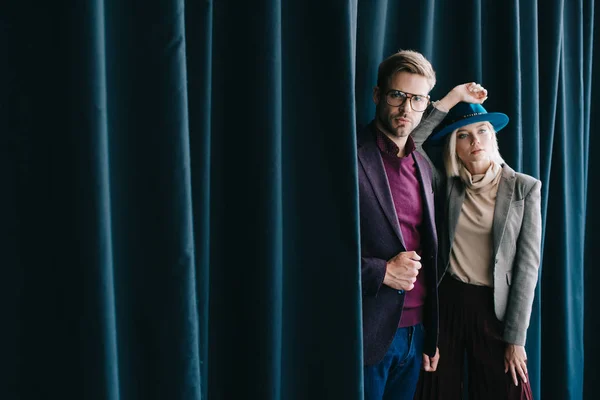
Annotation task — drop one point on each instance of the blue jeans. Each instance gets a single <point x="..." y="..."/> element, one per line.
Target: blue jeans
<point x="396" y="376"/>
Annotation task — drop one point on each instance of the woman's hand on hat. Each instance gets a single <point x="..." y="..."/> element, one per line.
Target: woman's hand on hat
<point x="471" y="92"/>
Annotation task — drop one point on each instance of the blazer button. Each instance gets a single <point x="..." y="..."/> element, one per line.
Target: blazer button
<point x="400" y="291"/>
<point x="496" y="261"/>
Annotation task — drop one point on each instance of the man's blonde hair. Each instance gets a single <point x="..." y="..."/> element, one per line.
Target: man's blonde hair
<point x="453" y="163"/>
<point x="408" y="61"/>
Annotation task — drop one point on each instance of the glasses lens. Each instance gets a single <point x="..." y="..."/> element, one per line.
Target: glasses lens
<point x="419" y="103"/>
<point x="396" y="98"/>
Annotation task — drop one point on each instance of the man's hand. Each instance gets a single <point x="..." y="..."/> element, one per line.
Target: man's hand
<point x="430" y="363"/>
<point x="515" y="360"/>
<point x="402" y="271"/>
<point x="467" y="92"/>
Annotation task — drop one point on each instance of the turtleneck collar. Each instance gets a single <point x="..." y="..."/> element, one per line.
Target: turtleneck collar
<point x="480" y="183"/>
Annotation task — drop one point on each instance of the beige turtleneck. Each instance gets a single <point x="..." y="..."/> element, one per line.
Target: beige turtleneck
<point x="470" y="259"/>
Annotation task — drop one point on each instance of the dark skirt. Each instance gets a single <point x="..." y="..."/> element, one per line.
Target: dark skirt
<point x="469" y="333"/>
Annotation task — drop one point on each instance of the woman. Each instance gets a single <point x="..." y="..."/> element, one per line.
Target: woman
<point x="490" y="237"/>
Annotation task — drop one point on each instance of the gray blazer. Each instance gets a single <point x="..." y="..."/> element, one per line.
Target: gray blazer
<point x="517" y="236"/>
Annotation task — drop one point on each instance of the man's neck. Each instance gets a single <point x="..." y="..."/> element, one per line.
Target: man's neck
<point x="400" y="142"/>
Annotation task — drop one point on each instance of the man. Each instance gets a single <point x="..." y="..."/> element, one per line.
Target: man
<point x="398" y="233"/>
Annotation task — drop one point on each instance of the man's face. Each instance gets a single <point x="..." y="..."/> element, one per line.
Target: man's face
<point x="399" y="121"/>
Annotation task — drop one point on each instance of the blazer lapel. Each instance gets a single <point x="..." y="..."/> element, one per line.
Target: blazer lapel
<point x="506" y="188"/>
<point x="456" y="197"/>
<point x="370" y="159"/>
<point x="427" y="193"/>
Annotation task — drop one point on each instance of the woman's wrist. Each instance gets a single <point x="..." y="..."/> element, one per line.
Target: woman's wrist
<point x="448" y="101"/>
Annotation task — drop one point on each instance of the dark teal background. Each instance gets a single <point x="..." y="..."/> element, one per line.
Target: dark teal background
<point x="179" y="204"/>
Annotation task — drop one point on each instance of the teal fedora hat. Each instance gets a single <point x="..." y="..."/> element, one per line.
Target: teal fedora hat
<point x="466" y="113"/>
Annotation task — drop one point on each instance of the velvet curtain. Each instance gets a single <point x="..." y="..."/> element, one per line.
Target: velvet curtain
<point x="180" y="213"/>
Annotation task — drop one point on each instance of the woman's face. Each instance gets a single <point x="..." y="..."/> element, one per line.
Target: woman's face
<point x="475" y="145"/>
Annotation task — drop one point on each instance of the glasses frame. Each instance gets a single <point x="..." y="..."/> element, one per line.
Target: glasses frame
<point x="409" y="96"/>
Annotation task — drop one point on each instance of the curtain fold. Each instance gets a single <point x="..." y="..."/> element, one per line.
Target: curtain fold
<point x="101" y="286"/>
<point x="245" y="203"/>
<point x="592" y="216"/>
<point x="321" y="303"/>
<point x="154" y="252"/>
<point x="180" y="210"/>
<point x="199" y="54"/>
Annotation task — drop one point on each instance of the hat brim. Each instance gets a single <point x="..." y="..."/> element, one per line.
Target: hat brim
<point x="498" y="121"/>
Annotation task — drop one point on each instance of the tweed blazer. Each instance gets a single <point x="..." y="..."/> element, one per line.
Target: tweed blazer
<point x="516" y="233"/>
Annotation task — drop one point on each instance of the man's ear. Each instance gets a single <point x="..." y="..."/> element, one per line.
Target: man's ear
<point x="376" y="95"/>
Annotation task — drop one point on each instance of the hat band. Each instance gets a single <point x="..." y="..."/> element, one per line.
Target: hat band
<point x="465" y="117"/>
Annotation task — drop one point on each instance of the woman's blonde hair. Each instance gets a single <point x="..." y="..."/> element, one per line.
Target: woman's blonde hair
<point x="453" y="163"/>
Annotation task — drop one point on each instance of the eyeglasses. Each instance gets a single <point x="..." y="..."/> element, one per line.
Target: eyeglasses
<point x="396" y="98"/>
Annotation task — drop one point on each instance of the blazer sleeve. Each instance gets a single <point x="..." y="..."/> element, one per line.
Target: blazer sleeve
<point x="432" y="118"/>
<point x="430" y="121"/>
<point x="525" y="269"/>
<point x="372" y="273"/>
